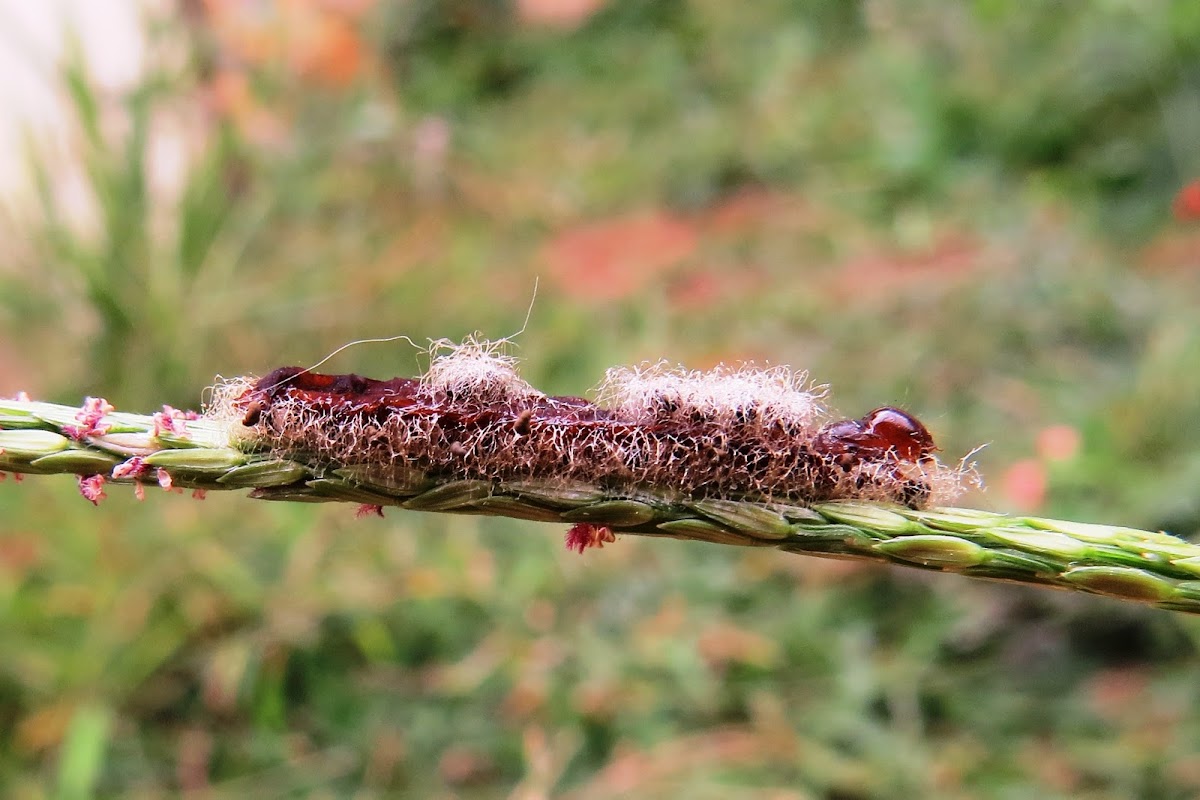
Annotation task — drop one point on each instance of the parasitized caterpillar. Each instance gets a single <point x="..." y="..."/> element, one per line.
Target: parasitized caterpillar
<point x="729" y="433"/>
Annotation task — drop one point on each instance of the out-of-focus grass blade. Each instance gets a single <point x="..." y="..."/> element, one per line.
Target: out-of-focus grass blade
<point x="83" y="753"/>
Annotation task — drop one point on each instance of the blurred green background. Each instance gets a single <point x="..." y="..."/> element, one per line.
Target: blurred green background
<point x="981" y="211"/>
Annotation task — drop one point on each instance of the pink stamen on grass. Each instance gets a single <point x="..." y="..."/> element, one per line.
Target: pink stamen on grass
<point x="585" y="535"/>
<point x="133" y="468"/>
<point x="172" y="421"/>
<point x="93" y="411"/>
<point x="92" y="488"/>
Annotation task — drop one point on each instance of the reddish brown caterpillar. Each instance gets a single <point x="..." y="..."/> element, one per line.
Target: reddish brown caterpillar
<point x="726" y="433"/>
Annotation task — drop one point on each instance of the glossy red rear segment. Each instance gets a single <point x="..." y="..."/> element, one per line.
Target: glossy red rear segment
<point x="883" y="432"/>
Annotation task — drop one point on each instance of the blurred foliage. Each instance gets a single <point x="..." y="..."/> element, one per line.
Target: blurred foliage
<point x="965" y="210"/>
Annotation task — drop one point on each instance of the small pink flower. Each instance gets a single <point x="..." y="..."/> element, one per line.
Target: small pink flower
<point x="584" y="535"/>
<point x="1187" y="203"/>
<point x="139" y="491"/>
<point x="133" y="468"/>
<point x="1024" y="482"/>
<point x="367" y="509"/>
<point x="89" y="417"/>
<point x="199" y="494"/>
<point x="92" y="488"/>
<point x="171" y="420"/>
<point x="1058" y="443"/>
<point x="18" y="477"/>
<point x="164" y="479"/>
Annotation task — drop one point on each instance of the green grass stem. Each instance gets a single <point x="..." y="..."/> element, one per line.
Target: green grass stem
<point x="1126" y="563"/>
